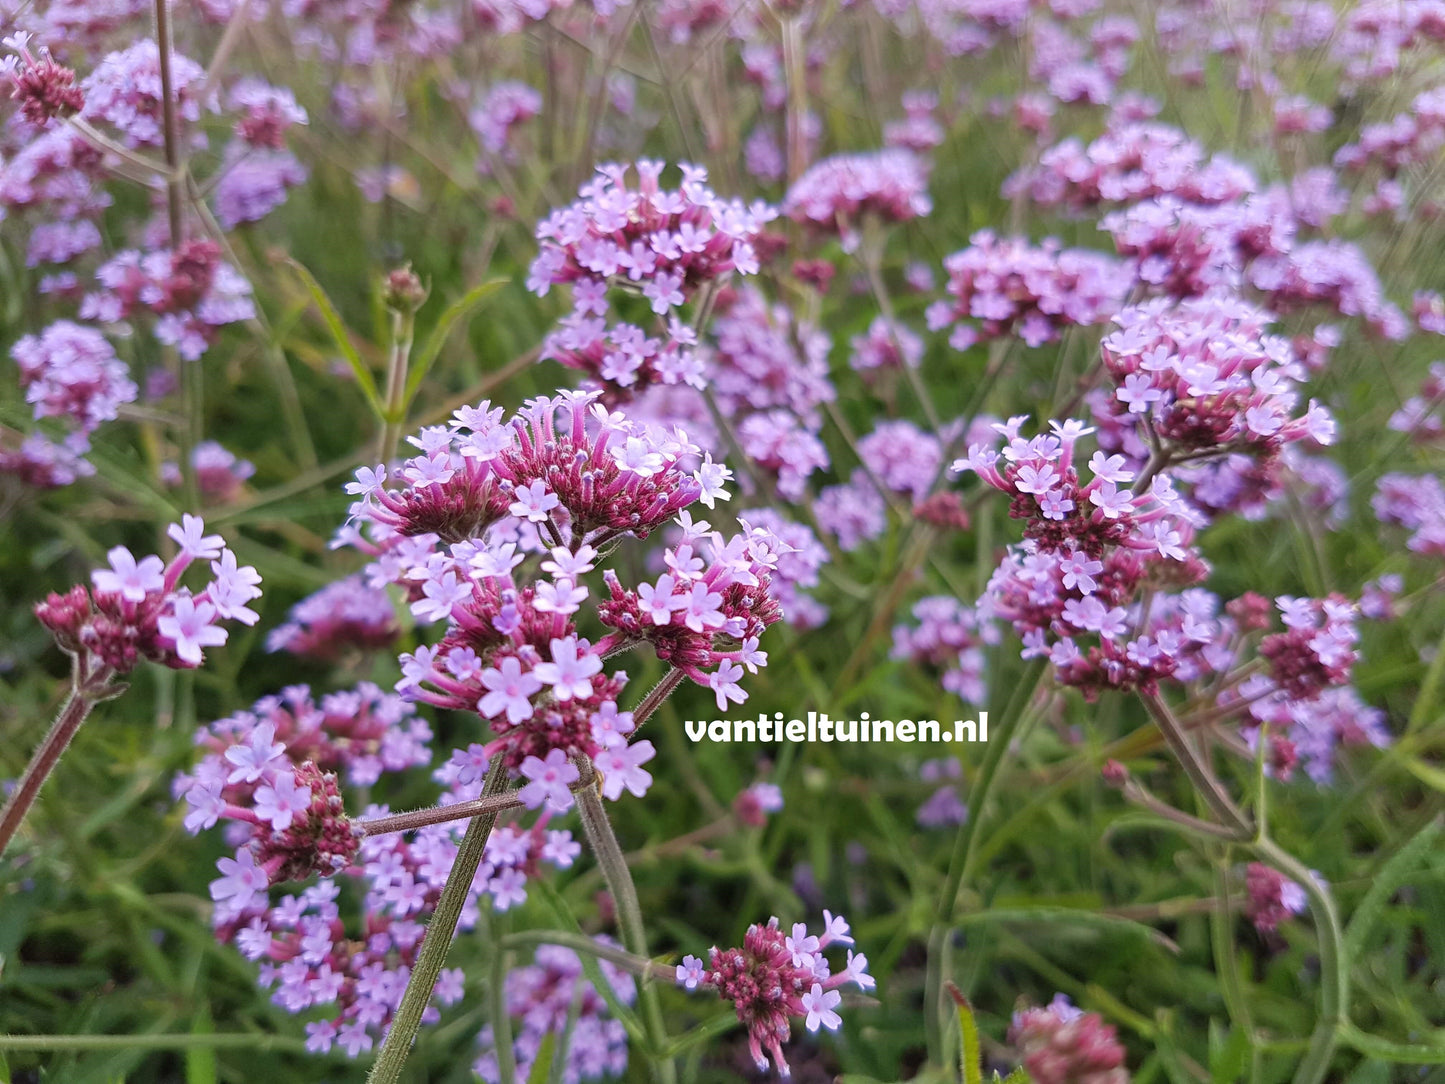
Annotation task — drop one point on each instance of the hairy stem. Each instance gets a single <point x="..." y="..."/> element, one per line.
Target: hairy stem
<point x="613" y="864"/>
<point x="86" y="690"/>
<point x="437" y="941"/>
<point x="656" y="695"/>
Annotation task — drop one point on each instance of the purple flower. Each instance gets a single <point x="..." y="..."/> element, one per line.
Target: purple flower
<point x="620" y="767"/>
<point x="242" y="881"/>
<point x="129" y="579"/>
<point x="189" y="626"/>
<point x="548" y="781"/>
<point x="569" y="673"/>
<point x="818" y="1004"/>
<point x="509" y="689"/>
<point x="281" y="801"/>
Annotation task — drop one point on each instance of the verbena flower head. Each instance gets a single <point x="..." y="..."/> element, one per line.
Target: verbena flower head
<point x="138" y="610"/>
<point x="1012" y="288"/>
<point x="948" y="637"/>
<point x="1061" y="1044"/>
<point x="551" y="996"/>
<point x="664" y="244"/>
<point x="1272" y="897"/>
<point x="70" y="371"/>
<point x="1208" y="378"/>
<point x="273" y="775"/>
<point x="124" y="92"/>
<point x="191" y="291"/>
<point x="565" y="465"/>
<point x="1130" y="163"/>
<point x="44" y="89"/>
<point x="836" y="195"/>
<point x="346" y="616"/>
<point x="776" y="977"/>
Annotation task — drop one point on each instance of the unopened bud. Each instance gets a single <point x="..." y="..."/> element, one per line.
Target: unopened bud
<point x="402" y="290"/>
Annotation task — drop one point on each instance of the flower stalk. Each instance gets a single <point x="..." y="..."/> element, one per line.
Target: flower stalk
<point x="438" y="940"/>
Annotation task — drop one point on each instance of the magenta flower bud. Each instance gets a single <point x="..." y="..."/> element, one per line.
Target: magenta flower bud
<point x="1063" y="1045"/>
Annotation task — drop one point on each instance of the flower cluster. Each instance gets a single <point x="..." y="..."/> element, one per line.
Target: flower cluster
<point x="137" y="610"/>
<point x="1013" y="288"/>
<point x="1272" y="897"/>
<point x="566" y="466"/>
<point x="945" y="807"/>
<point x="1128" y="164"/>
<point x="272" y="774"/>
<point x="775" y="977"/>
<point x="1062" y="1044"/>
<point x="346" y="616"/>
<point x="220" y="473"/>
<point x="1205" y="378"/>
<point x="707" y="612"/>
<point x="838" y="194"/>
<point x="666" y="244"/>
<point x="71" y="371"/>
<point x="124" y="92"/>
<point x="1419" y="415"/>
<point x="550" y="996"/>
<point x="190" y="289"/>
<point x="42" y="463"/>
<point x="43" y="88"/>
<point x="947" y="637"/>
<point x="1417" y="503"/>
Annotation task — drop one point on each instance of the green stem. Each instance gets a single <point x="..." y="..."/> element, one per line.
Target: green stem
<point x="501" y="1018"/>
<point x="1195" y="766"/>
<point x="437" y="941"/>
<point x="613" y="864"/>
<point x="1221" y="926"/>
<point x="403" y="325"/>
<point x="965" y="845"/>
<point x="187" y="1041"/>
<point x="1334" y="965"/>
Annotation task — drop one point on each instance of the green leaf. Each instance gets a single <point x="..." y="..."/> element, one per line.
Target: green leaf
<point x="1018" y="1076"/>
<point x="342" y="337"/>
<point x="1401" y="864"/>
<point x="421" y="364"/>
<point x="1228" y="1054"/>
<point x="542" y="1066"/>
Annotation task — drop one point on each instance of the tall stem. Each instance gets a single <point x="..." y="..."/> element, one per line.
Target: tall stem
<point x="437" y="941"/>
<point x="1195" y="766"/>
<point x="1334" y="964"/>
<point x="613" y="864"/>
<point x="402" y="329"/>
<point x="174" y="182"/>
<point x="795" y="74"/>
<point x="964" y="846"/>
<point x="84" y="694"/>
